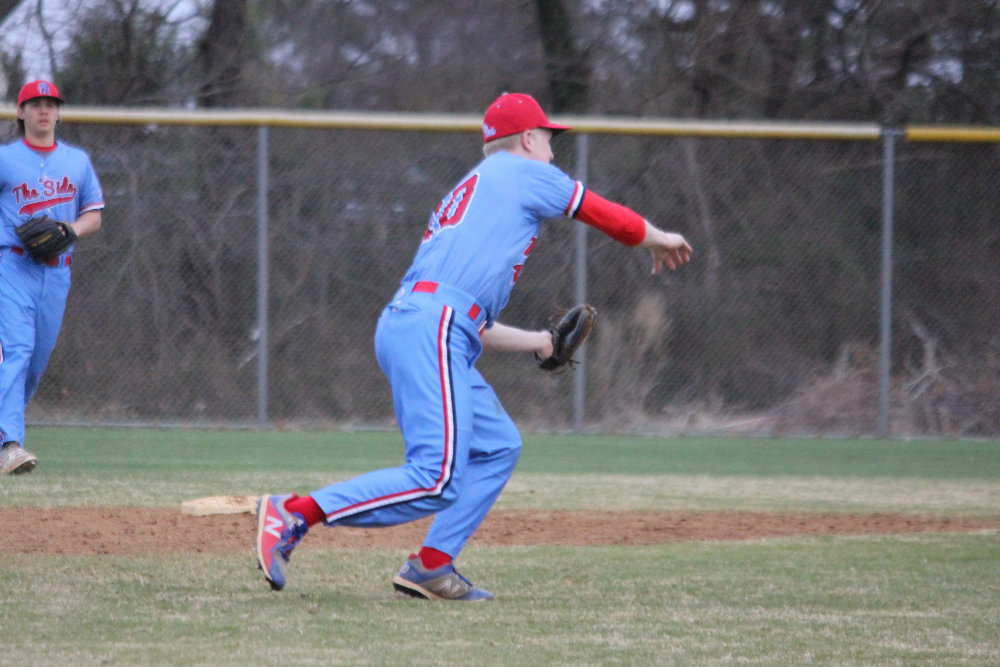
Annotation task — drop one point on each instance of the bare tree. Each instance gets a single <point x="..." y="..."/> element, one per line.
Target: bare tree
<point x="222" y="54"/>
<point x="6" y="7"/>
<point x="566" y="66"/>
<point x="125" y="52"/>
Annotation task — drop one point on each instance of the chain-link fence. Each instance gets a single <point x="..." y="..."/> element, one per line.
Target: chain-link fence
<point x="774" y="328"/>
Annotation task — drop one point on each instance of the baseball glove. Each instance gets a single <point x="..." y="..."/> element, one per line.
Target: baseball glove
<point x="44" y="238"/>
<point x="568" y="334"/>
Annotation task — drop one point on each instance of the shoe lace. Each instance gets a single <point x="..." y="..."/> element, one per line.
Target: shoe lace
<point x="460" y="576"/>
<point x="296" y="532"/>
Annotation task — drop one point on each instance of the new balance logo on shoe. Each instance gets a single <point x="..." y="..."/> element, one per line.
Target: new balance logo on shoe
<point x="450" y="588"/>
<point x="274" y="526"/>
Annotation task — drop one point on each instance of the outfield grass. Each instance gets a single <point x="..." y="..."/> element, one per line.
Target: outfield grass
<point x="103" y="466"/>
<point x="129" y="450"/>
<point x="892" y="600"/>
<point x="887" y="601"/>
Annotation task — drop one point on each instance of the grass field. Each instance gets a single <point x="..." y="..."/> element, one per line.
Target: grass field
<point x="846" y="600"/>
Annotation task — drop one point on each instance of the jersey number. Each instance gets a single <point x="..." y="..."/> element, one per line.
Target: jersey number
<point x="527" y="251"/>
<point x="452" y="208"/>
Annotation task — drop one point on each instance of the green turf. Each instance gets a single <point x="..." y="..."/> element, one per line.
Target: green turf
<point x="133" y="450"/>
<point x="165" y="467"/>
<point x="857" y="601"/>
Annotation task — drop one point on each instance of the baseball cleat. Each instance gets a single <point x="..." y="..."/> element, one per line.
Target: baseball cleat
<point x="14" y="460"/>
<point x="278" y="532"/>
<point x="443" y="583"/>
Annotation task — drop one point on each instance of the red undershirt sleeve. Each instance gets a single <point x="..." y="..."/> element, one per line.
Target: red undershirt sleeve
<point x="619" y="222"/>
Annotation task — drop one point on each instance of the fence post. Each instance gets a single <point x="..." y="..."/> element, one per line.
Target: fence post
<point x="580" y="289"/>
<point x="263" y="277"/>
<point x="889" y="136"/>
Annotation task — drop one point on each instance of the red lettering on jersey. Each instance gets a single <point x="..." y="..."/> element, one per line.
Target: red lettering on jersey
<point x="452" y="208"/>
<point x="52" y="193"/>
<point x="63" y="187"/>
<point x="24" y="193"/>
<point x="531" y="246"/>
<point x="527" y="251"/>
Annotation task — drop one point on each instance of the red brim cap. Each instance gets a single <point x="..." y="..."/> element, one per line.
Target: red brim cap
<point x="513" y="113"/>
<point x="38" y="89"/>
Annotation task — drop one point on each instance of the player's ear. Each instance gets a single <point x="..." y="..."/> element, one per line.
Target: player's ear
<point x="527" y="140"/>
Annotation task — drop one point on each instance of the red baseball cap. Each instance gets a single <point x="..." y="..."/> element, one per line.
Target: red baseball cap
<point x="513" y="113"/>
<point x="38" y="89"/>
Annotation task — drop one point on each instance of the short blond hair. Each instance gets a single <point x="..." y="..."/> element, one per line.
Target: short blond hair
<point x="508" y="143"/>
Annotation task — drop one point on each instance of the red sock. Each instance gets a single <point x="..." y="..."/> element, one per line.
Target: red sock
<point x="432" y="559"/>
<point x="307" y="507"/>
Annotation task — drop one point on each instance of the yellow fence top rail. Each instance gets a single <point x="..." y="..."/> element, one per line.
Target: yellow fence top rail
<point x="456" y="122"/>
<point x="444" y="122"/>
<point x="952" y="133"/>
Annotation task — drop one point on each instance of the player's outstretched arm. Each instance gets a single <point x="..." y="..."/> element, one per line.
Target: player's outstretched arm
<point x="511" y="339"/>
<point x="628" y="227"/>
<point x="667" y="248"/>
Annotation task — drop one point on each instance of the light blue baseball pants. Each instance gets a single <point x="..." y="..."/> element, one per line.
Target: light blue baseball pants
<point x="461" y="446"/>
<point x="32" y="303"/>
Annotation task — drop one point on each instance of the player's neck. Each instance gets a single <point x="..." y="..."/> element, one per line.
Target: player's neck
<point x="45" y="142"/>
<point x="39" y="138"/>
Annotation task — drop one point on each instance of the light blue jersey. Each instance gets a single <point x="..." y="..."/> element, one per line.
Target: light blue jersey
<point x="480" y="235"/>
<point x="60" y="183"/>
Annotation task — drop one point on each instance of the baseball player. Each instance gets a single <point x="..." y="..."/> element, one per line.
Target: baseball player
<point x="38" y="177"/>
<point x="461" y="446"/>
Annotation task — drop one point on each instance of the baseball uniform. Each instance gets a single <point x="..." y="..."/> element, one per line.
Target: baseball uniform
<point x="59" y="182"/>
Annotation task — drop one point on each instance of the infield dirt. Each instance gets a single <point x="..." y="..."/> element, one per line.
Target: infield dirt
<point x="123" y="530"/>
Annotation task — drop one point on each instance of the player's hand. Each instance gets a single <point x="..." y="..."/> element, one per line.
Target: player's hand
<point x="545" y="347"/>
<point x="668" y="249"/>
